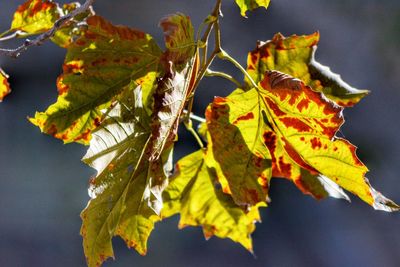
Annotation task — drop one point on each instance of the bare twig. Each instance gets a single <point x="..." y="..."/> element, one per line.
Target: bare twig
<point x="39" y="40"/>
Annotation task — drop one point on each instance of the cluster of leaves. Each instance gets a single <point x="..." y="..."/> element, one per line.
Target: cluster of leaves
<point x="125" y="97"/>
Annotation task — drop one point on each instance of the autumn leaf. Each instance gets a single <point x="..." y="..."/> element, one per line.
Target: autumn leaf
<point x="246" y="5"/>
<point x="38" y="16"/>
<point x="4" y="85"/>
<point x="305" y="124"/>
<point x="241" y="161"/>
<point x="295" y="55"/>
<point x="245" y="152"/>
<point x="132" y="153"/>
<point x="126" y="192"/>
<point x="195" y="194"/>
<point x="34" y="17"/>
<point x="180" y="64"/>
<point x="97" y="67"/>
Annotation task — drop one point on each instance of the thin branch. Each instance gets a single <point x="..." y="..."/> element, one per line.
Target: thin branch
<point x="15" y="34"/>
<point x="211" y="73"/>
<point x="39" y="40"/>
<point x="194" y="117"/>
<point x="189" y="127"/>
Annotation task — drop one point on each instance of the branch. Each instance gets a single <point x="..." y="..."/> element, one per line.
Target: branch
<point x="46" y="35"/>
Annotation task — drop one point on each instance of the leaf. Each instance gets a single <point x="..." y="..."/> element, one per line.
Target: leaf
<point x="246" y="5"/>
<point x="38" y="16"/>
<point x="242" y="162"/>
<point x="179" y="37"/>
<point x="35" y="16"/>
<point x="305" y="123"/>
<point x="70" y="31"/>
<point x="126" y="193"/>
<point x="194" y="193"/>
<point x="4" y="85"/>
<point x="295" y="55"/>
<point x="132" y="153"/>
<point x="247" y="151"/>
<point x="180" y="62"/>
<point x="97" y="67"/>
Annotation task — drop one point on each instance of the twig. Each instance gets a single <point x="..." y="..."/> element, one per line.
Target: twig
<point x="47" y="35"/>
<point x="226" y="76"/>
<point x="194" y="117"/>
<point x="15" y="34"/>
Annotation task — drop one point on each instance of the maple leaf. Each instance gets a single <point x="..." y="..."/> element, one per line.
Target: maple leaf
<point x="295" y="55"/>
<point x="303" y="124"/>
<point x="194" y="193"/>
<point x="126" y="193"/>
<point x="132" y="153"/>
<point x="246" y="5"/>
<point x="239" y="134"/>
<point x="4" y="85"/>
<point x="97" y="67"/>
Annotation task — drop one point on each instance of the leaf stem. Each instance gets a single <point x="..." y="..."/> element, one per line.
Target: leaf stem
<point x="189" y="127"/>
<point x="225" y="56"/>
<point x="194" y="117"/>
<point x="211" y="73"/>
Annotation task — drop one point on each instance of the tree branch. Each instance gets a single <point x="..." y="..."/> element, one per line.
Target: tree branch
<point x="39" y="40"/>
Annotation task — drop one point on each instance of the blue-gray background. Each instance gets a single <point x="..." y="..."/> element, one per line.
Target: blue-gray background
<point x="43" y="184"/>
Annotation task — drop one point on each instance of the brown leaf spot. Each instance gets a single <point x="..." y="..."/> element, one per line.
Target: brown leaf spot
<point x="246" y="117"/>
<point x="252" y="196"/>
<point x="315" y="143"/>
<point x="303" y="104"/>
<point x="296" y="124"/>
<point x="62" y="88"/>
<point x="297" y="158"/>
<point x="274" y="107"/>
<point x="285" y="168"/>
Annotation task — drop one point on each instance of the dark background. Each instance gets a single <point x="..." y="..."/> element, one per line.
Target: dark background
<point x="43" y="184"/>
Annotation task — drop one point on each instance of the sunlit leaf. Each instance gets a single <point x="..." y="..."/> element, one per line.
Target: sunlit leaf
<point x="195" y="194"/>
<point x="242" y="162"/>
<point x="180" y="61"/>
<point x="97" y="67"/>
<point x="35" y="16"/>
<point x="305" y="123"/>
<point x="4" y="85"/>
<point x="248" y="5"/>
<point x="295" y="55"/>
<point x="126" y="192"/>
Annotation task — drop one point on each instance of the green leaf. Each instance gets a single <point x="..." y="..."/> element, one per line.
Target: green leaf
<point x="97" y="67"/>
<point x="305" y="123"/>
<point x="4" y="85"/>
<point x="35" y="16"/>
<point x="295" y="55"/>
<point x="242" y="162"/>
<point x="126" y="193"/>
<point x="132" y="153"/>
<point x="195" y="194"/>
<point x="246" y="5"/>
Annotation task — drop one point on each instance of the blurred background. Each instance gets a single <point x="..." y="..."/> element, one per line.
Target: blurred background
<point x="43" y="183"/>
